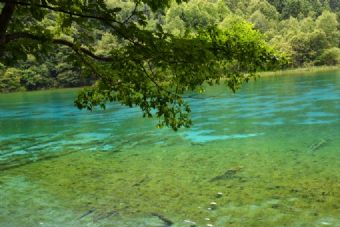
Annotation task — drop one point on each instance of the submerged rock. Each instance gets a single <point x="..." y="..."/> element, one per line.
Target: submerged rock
<point x="213" y="205"/>
<point x="229" y="174"/>
<point x="219" y="194"/>
<point x="191" y="223"/>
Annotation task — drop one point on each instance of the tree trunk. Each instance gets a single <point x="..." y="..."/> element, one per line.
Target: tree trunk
<point x="5" y="17"/>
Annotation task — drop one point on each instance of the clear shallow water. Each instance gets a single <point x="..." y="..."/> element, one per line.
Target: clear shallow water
<point x="272" y="149"/>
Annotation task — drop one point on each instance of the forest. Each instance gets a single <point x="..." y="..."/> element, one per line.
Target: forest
<point x="307" y="31"/>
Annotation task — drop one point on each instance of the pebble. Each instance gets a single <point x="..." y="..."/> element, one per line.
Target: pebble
<point x="210" y="225"/>
<point x="190" y="222"/>
<point x="207" y="219"/>
<point x="213" y="205"/>
<point x="219" y="194"/>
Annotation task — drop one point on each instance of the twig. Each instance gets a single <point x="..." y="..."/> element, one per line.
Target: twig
<point x="132" y="13"/>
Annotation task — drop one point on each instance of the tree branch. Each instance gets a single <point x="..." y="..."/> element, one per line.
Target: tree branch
<point x="132" y="13"/>
<point x="106" y="19"/>
<point x="151" y="78"/>
<point x="61" y="10"/>
<point x="24" y="35"/>
<point x="5" y="17"/>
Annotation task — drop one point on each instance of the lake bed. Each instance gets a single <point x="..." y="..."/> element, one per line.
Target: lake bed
<point x="265" y="156"/>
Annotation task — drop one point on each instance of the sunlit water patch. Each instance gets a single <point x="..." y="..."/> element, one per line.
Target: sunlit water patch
<point x="265" y="156"/>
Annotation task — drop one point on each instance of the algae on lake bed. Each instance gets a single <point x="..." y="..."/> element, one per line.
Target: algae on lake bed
<point x="272" y="156"/>
<point x="275" y="186"/>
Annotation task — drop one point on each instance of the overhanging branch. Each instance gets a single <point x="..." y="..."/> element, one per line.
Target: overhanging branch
<point x="61" y="10"/>
<point x="24" y="35"/>
<point x="5" y="17"/>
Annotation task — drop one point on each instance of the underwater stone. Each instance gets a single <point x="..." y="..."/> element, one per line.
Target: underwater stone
<point x="229" y="174"/>
<point x="192" y="223"/>
<point x="213" y="205"/>
<point x="219" y="194"/>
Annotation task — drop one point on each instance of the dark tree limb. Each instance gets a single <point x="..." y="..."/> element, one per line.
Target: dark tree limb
<point x="61" y="10"/>
<point x="132" y="13"/>
<point x="5" y="17"/>
<point x="25" y="35"/>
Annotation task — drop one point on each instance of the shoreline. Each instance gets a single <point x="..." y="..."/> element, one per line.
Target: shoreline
<point x="301" y="71"/>
<point x="42" y="90"/>
<point x="285" y="72"/>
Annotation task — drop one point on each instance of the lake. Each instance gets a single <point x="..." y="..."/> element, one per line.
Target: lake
<point x="268" y="155"/>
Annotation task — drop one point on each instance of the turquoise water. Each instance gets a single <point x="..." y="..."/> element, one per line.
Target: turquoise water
<point x="268" y="155"/>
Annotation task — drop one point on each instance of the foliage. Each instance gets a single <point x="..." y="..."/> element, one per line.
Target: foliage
<point x="327" y="22"/>
<point x="330" y="56"/>
<point x="149" y="53"/>
<point x="130" y="50"/>
<point x="9" y="80"/>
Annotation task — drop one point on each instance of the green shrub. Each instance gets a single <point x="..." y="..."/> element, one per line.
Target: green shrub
<point x="330" y="56"/>
<point x="10" y="80"/>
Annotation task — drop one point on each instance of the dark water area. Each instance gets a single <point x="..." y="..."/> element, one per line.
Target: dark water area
<point x="268" y="155"/>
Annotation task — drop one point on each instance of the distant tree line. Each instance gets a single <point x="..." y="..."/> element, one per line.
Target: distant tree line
<point x="308" y="31"/>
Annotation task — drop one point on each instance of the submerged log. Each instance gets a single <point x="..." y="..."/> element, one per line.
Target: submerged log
<point x="104" y="215"/>
<point x="87" y="213"/>
<point x="167" y="222"/>
<point x="318" y="145"/>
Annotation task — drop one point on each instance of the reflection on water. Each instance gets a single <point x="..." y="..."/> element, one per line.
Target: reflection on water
<point x="265" y="156"/>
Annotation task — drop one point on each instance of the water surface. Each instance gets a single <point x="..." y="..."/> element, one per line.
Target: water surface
<point x="272" y="150"/>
